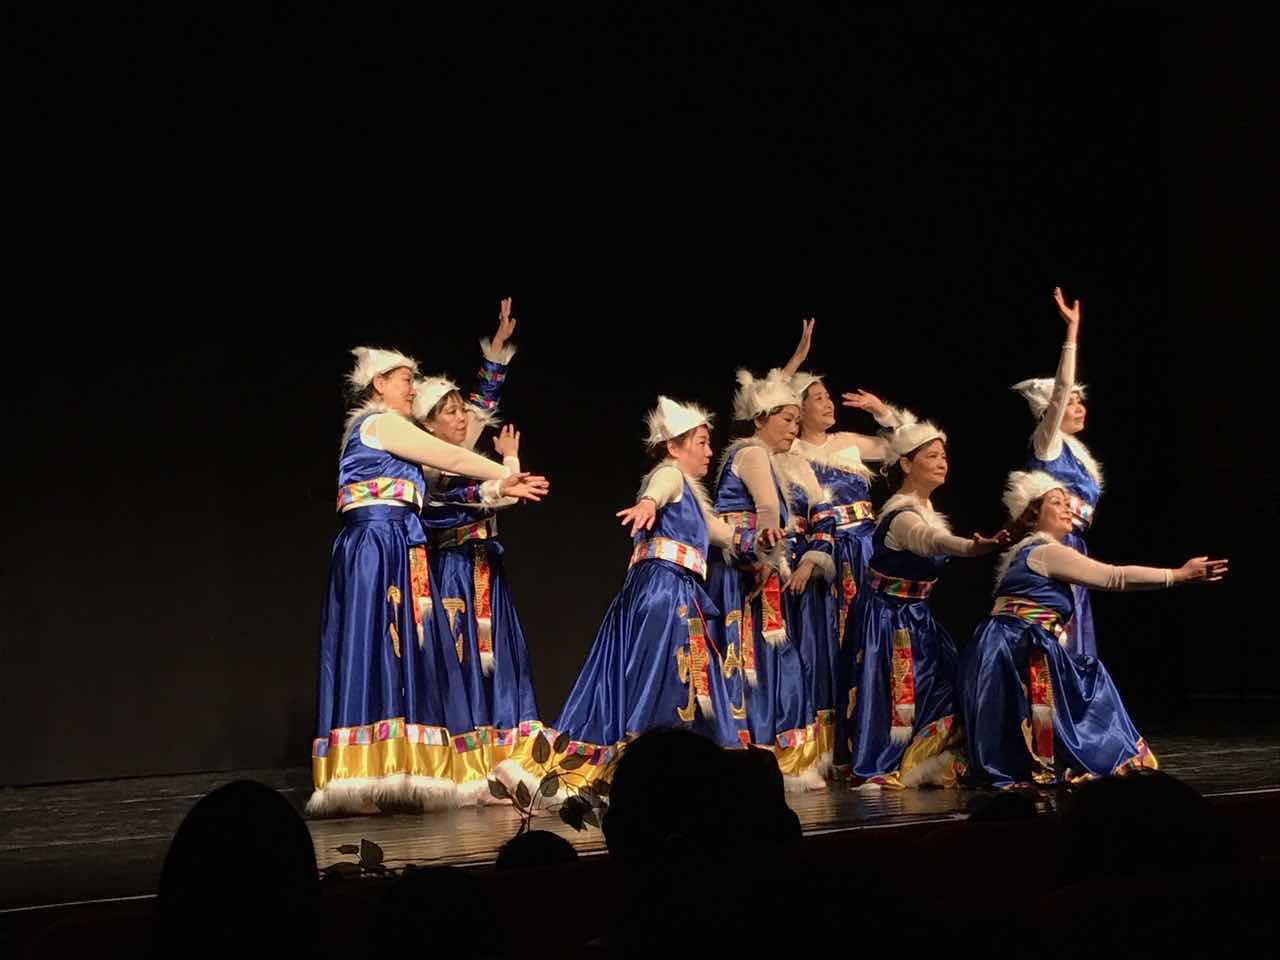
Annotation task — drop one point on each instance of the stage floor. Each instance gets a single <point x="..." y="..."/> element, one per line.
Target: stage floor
<point x="101" y="840"/>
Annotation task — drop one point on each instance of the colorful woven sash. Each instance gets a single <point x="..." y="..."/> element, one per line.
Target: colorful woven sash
<point x="662" y="548"/>
<point x="1031" y="612"/>
<point x="848" y="514"/>
<point x="899" y="586"/>
<point x="381" y="488"/>
<point x="486" y="529"/>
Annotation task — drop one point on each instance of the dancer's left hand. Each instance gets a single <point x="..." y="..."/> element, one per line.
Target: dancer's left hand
<point x="506" y="325"/>
<point x="507" y="442"/>
<point x="641" y="516"/>
<point x="984" y="545"/>
<point x="799" y="578"/>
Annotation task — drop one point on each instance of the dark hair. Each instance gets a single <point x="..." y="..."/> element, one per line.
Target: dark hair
<point x="660" y="449"/>
<point x="359" y="396"/>
<point x="1019" y="527"/>
<point x="435" y="411"/>
<point x="893" y="471"/>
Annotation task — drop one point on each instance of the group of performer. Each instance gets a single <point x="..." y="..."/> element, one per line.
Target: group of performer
<point x="780" y="611"/>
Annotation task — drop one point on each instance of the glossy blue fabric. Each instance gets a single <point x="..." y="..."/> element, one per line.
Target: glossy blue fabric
<point x="504" y="697"/>
<point x="808" y="614"/>
<point x="852" y="552"/>
<point x="629" y="683"/>
<point x="866" y="660"/>
<point x="361" y="680"/>
<point x="360" y="462"/>
<point x="779" y="701"/>
<point x="1067" y="468"/>
<point x="1093" y="732"/>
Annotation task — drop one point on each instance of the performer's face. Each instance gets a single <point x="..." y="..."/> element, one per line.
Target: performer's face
<point x="779" y="429"/>
<point x="1073" y="416"/>
<point x="1055" y="515"/>
<point x="928" y="467"/>
<point x="694" y="454"/>
<point x="396" y="390"/>
<point x="819" y="412"/>
<point x="449" y="422"/>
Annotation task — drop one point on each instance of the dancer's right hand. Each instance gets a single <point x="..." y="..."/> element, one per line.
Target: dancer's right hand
<point x="525" y="486"/>
<point x="802" y="348"/>
<point x="770" y="537"/>
<point x="641" y="516"/>
<point x="1070" y="311"/>
<point x="1201" y="570"/>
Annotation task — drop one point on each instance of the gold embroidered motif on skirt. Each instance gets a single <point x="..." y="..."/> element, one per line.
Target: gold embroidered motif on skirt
<point x="904" y="688"/>
<point x="393" y="597"/>
<point x="419" y="589"/>
<point x="692" y="669"/>
<point x="453" y="609"/>
<point x="482" y="582"/>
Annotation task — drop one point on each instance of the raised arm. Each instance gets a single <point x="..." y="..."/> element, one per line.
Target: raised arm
<point x="482" y="404"/>
<point x="802" y="349"/>
<point x="1047" y="439"/>
<point x="871" y="448"/>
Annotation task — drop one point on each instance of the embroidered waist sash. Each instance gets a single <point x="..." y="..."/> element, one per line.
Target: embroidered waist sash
<point x="1031" y="612"/>
<point x="848" y="514"/>
<point x="382" y="488"/>
<point x="663" y="548"/>
<point x="486" y="529"/>
<point x="899" y="586"/>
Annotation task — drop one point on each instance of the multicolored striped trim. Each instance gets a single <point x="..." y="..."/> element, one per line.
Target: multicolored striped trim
<point x="741" y="519"/>
<point x="383" y="488"/>
<point x="899" y="586"/>
<point x="391" y="729"/>
<point x="822" y="538"/>
<point x="510" y="736"/>
<point x="850" y="513"/>
<point x="473" y="740"/>
<point x="798" y="737"/>
<point x="1031" y="612"/>
<point x="596" y="755"/>
<point x="1082" y="511"/>
<point x="455" y="536"/>
<point x="662" y="548"/>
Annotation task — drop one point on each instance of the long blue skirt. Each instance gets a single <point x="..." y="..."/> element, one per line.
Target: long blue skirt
<point x="1091" y="732"/>
<point x="1081" y="640"/>
<point x="853" y="554"/>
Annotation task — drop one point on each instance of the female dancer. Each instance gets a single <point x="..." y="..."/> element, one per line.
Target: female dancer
<point x="838" y="460"/>
<point x="1033" y="712"/>
<point x="899" y="661"/>
<point x="388" y="706"/>
<point x="1058" y="451"/>
<point x="655" y="662"/>
<point x="778" y="698"/>
<point x="467" y="564"/>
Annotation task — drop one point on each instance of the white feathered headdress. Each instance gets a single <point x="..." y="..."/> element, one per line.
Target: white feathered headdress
<point x="428" y="392"/>
<point x="1037" y="393"/>
<point x="372" y="362"/>
<point x="911" y="434"/>
<point x="802" y="380"/>
<point x="669" y="420"/>
<point x="755" y="397"/>
<point x="1024" y="486"/>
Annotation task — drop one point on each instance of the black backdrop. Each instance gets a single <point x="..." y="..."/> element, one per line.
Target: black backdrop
<point x="215" y="212"/>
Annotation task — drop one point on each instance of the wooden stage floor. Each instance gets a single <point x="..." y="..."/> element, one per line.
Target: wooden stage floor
<point x="104" y="840"/>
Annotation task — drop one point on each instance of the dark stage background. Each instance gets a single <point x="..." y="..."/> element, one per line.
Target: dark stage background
<point x="214" y="213"/>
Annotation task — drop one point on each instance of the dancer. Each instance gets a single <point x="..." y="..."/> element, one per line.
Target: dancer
<point x="655" y="661"/>
<point x="748" y="591"/>
<point x="839" y="462"/>
<point x="1033" y="712"/>
<point x="388" y="704"/>
<point x="1057" y="450"/>
<point x="468" y="567"/>
<point x="899" y="663"/>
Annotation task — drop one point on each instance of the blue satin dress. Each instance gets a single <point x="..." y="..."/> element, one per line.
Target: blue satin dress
<point x="771" y="679"/>
<point x="656" y="661"/>
<point x="1033" y="712"/>
<point x="473" y="591"/>
<point x="900" y="667"/>
<point x="854" y="525"/>
<point x="393" y="716"/>
<point x="811" y="528"/>
<point x="1083" y="491"/>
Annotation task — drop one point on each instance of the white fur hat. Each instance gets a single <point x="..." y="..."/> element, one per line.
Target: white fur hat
<point x="1023" y="486"/>
<point x="802" y="380"/>
<point x="372" y="362"/>
<point x="755" y="397"/>
<point x="911" y="434"/>
<point x="669" y="420"/>
<point x="1037" y="393"/>
<point x="429" y="391"/>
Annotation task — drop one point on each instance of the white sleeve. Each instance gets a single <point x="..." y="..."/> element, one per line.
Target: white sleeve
<point x="401" y="438"/>
<point x="719" y="532"/>
<point x="871" y="449"/>
<point x="490" y="490"/>
<point x="753" y="467"/>
<point x="1060" y="562"/>
<point x="1047" y="440"/>
<point x="666" y="485"/>
<point x="908" y="531"/>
